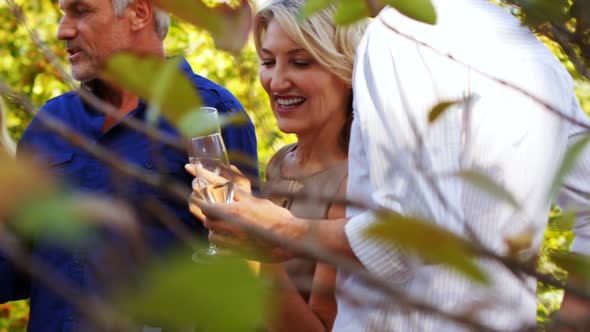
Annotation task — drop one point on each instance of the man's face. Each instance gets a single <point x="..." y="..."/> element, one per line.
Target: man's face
<point x="92" y="33"/>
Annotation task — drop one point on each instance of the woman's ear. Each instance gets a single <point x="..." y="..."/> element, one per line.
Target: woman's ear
<point x="140" y="13"/>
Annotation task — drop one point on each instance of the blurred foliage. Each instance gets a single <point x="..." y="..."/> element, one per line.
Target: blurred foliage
<point x="14" y="316"/>
<point x="24" y="68"/>
<point x="566" y="22"/>
<point x="557" y="239"/>
<point x="432" y="243"/>
<point x="203" y="294"/>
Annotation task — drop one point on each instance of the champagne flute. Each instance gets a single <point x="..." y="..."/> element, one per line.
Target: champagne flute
<point x="209" y="152"/>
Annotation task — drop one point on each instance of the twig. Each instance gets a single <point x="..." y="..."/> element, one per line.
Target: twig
<point x="172" y="223"/>
<point x="556" y="35"/>
<point x="347" y="265"/>
<point x="500" y="81"/>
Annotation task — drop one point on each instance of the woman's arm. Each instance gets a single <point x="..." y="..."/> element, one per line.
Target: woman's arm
<point x="319" y="314"/>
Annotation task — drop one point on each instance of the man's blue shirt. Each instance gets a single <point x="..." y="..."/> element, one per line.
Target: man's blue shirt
<point x="89" y="268"/>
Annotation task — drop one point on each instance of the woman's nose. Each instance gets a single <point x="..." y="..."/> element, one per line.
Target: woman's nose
<point x="280" y="79"/>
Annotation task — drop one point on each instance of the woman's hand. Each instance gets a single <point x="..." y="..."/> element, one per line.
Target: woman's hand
<point x="238" y="179"/>
<point x="231" y="224"/>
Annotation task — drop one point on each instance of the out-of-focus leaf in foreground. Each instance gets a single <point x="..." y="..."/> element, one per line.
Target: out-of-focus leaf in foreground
<point x="568" y="163"/>
<point x="564" y="222"/>
<point x="155" y="80"/>
<point x="350" y="11"/>
<point x="196" y="123"/>
<point x="439" y="109"/>
<point x="178" y="293"/>
<point x="430" y="242"/>
<point x="313" y="6"/>
<point x="229" y="25"/>
<point x="38" y="208"/>
<point x="69" y="219"/>
<point x="577" y="266"/>
<point x="19" y="182"/>
<point x="488" y="185"/>
<point x="419" y="10"/>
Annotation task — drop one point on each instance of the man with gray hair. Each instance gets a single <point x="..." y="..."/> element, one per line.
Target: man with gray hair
<point x="93" y="30"/>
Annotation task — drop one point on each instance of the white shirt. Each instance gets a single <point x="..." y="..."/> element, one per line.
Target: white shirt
<point x="503" y="134"/>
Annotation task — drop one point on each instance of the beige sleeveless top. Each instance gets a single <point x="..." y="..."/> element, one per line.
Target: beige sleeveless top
<point x="325" y="183"/>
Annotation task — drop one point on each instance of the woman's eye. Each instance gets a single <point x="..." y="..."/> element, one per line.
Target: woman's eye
<point x="267" y="63"/>
<point x="301" y="64"/>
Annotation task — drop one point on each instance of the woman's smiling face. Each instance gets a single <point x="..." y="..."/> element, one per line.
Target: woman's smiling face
<point x="304" y="96"/>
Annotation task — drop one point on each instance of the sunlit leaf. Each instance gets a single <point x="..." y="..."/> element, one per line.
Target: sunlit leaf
<point x="161" y="89"/>
<point x="564" y="222"/>
<point x="440" y="108"/>
<point x="53" y="219"/>
<point x="195" y="123"/>
<point x="568" y="163"/>
<point x="313" y="6"/>
<point x="420" y="10"/>
<point x="228" y="25"/>
<point x="351" y="11"/>
<point x="20" y="181"/>
<point x="432" y="243"/>
<point x="577" y="266"/>
<point x="154" y="80"/>
<point x="69" y="219"/>
<point x="488" y="185"/>
<point x="177" y="292"/>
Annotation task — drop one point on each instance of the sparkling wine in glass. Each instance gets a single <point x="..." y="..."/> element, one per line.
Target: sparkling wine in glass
<point x="209" y="152"/>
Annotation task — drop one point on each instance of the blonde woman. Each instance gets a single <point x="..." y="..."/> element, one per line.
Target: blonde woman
<point x="306" y="69"/>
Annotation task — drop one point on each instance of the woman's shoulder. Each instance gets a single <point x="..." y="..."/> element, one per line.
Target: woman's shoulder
<point x="273" y="168"/>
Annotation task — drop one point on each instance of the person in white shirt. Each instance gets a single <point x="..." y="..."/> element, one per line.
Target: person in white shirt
<point x="400" y="161"/>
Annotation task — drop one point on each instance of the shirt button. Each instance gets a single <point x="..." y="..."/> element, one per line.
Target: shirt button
<point x="148" y="164"/>
<point x="69" y="317"/>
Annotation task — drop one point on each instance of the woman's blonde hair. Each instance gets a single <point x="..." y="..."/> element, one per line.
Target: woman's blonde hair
<point x="331" y="45"/>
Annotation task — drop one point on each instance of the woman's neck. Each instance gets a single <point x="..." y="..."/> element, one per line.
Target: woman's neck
<point x="315" y="151"/>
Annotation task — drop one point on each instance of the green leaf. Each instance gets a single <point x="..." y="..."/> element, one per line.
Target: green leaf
<point x="440" y="108"/>
<point x="488" y="185"/>
<point x="351" y="11"/>
<point x="155" y="80"/>
<point x="229" y="25"/>
<point x="432" y="243"/>
<point x="420" y="10"/>
<point x="53" y="219"/>
<point x="70" y="219"/>
<point x="195" y="123"/>
<point x="577" y="266"/>
<point x="313" y="6"/>
<point x="569" y="160"/>
<point x="564" y="222"/>
<point x="177" y="292"/>
<point x="17" y="180"/>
